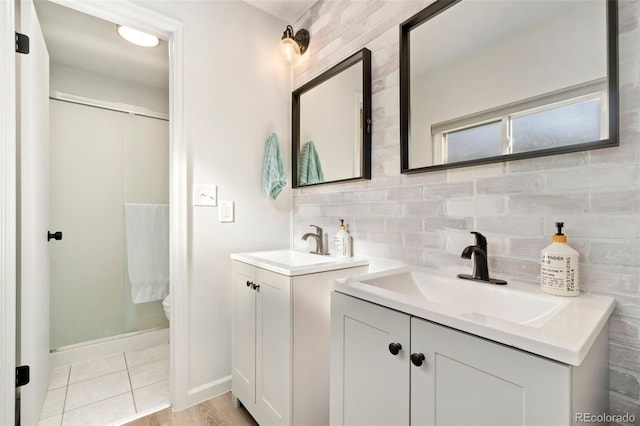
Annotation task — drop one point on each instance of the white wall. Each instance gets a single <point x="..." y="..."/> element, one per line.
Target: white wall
<point x="236" y="92"/>
<point x="425" y="218"/>
<point x="78" y="82"/>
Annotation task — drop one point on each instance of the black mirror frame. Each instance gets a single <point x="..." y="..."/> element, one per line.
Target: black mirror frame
<point x="439" y="6"/>
<point x="363" y="56"/>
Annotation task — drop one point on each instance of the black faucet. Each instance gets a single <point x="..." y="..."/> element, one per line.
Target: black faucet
<point x="480" y="261"/>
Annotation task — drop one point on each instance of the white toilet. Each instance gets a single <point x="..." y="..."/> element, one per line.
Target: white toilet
<point x="166" y="305"/>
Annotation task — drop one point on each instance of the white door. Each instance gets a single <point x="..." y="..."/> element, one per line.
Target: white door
<point x="273" y="347"/>
<point x="33" y="263"/>
<point x="7" y="213"/>
<point x="467" y="380"/>
<point x="369" y="363"/>
<point x="244" y="334"/>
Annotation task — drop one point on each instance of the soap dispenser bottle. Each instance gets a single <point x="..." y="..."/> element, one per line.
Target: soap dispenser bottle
<point x="342" y="242"/>
<point x="559" y="266"/>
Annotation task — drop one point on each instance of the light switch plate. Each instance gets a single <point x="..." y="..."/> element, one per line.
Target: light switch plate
<point x="226" y="211"/>
<point x="205" y="195"/>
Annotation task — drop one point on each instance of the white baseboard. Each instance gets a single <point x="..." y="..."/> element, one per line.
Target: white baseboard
<point x="104" y="347"/>
<point x="209" y="390"/>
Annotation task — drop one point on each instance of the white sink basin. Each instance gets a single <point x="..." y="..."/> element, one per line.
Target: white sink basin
<point x="292" y="257"/>
<point x="518" y="314"/>
<point x="294" y="262"/>
<point x="470" y="298"/>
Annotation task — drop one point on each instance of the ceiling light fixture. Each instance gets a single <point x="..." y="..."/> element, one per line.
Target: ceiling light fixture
<point x="294" y="44"/>
<point x="136" y="37"/>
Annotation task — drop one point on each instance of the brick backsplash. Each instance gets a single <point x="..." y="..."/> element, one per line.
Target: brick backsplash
<point x="425" y="218"/>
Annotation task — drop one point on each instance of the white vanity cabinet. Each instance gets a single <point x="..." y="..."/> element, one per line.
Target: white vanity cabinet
<point x="261" y="348"/>
<point x="442" y="376"/>
<point x="281" y="339"/>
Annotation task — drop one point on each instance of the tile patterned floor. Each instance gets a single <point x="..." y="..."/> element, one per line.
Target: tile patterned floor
<point x="108" y="390"/>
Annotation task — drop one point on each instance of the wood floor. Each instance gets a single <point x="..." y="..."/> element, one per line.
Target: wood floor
<point x="218" y="411"/>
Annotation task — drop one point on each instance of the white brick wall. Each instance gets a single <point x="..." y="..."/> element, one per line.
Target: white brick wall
<point x="425" y="218"/>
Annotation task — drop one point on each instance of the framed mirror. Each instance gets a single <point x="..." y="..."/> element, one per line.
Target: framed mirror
<point x="484" y="82"/>
<point x="331" y="124"/>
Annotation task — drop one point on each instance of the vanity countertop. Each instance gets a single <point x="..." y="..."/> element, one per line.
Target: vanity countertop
<point x="518" y="314"/>
<point x="295" y="262"/>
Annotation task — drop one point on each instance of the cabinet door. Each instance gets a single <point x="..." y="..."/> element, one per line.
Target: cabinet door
<point x="467" y="380"/>
<point x="244" y="334"/>
<point x="369" y="385"/>
<point x="273" y="352"/>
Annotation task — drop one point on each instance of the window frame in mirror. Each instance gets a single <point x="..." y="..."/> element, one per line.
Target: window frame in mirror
<point x="440" y="6"/>
<point x="364" y="56"/>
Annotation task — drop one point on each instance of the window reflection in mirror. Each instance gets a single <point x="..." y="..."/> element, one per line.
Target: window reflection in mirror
<point x="331" y="124"/>
<point x="488" y="81"/>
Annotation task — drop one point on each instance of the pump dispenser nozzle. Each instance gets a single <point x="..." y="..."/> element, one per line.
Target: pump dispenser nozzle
<point x="559" y="237"/>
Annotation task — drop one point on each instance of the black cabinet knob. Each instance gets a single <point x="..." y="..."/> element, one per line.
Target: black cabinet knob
<point x="253" y="285"/>
<point x="417" y="359"/>
<point x="395" y="348"/>
<point x="54" y="236"/>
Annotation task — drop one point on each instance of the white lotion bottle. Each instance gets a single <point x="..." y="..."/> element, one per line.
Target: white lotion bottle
<point x="342" y="242"/>
<point x="559" y="266"/>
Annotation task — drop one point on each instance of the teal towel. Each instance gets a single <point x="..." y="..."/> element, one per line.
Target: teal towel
<point x="310" y="167"/>
<point x="274" y="174"/>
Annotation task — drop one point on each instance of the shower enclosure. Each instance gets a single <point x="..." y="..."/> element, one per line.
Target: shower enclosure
<point x="100" y="160"/>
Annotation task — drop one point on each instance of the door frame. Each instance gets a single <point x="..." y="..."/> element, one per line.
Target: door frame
<point x="125" y="13"/>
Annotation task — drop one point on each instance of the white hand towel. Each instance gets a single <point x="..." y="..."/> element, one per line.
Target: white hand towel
<point x="147" y="231"/>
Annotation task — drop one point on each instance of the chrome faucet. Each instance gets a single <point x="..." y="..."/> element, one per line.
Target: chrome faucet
<point x="318" y="236"/>
<point x="480" y="261"/>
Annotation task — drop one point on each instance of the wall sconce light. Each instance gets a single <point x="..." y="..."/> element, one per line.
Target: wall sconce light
<point x="294" y="44"/>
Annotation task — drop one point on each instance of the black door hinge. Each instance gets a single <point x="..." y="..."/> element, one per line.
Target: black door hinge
<point x="22" y="43"/>
<point x="22" y="375"/>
